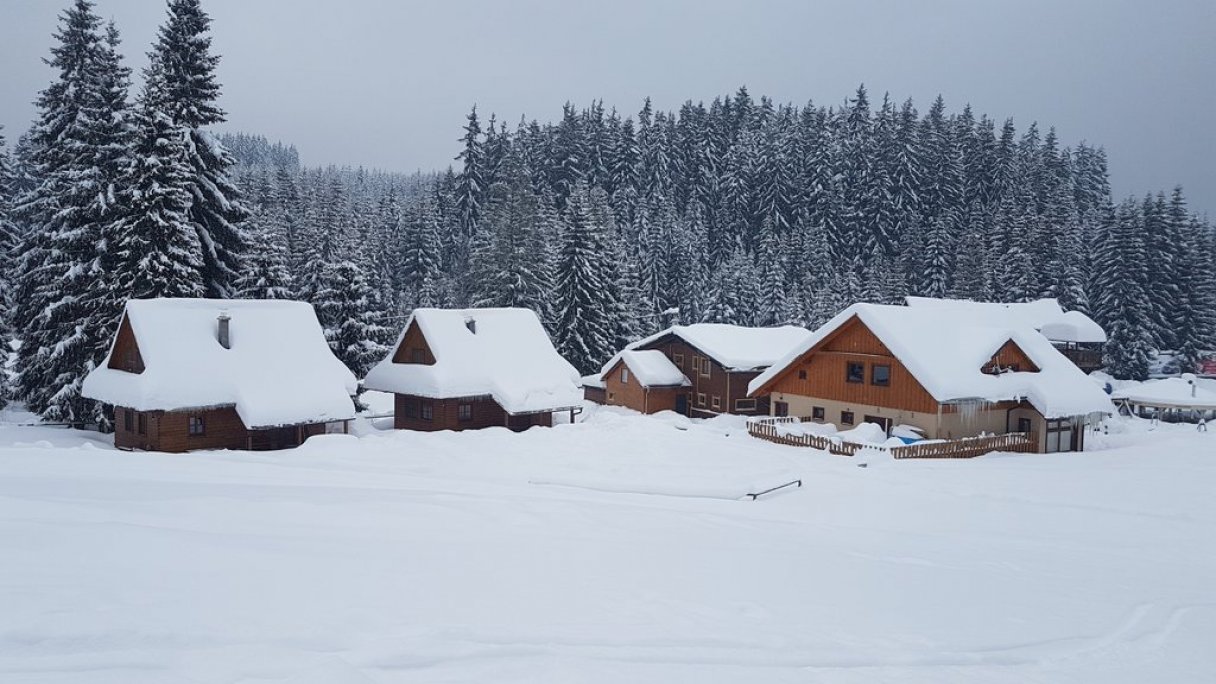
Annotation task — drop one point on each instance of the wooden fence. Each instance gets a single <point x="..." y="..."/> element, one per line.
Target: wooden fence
<point x="967" y="447"/>
<point x="970" y="447"/>
<point x="766" y="429"/>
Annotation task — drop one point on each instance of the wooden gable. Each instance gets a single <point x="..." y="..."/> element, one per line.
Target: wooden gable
<point x="414" y="347"/>
<point x="822" y="371"/>
<point x="1010" y="357"/>
<point x="125" y="355"/>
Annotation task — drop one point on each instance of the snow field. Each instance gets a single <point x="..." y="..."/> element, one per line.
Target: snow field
<point x="610" y="551"/>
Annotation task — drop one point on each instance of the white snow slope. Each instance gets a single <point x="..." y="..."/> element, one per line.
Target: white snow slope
<point x="615" y="550"/>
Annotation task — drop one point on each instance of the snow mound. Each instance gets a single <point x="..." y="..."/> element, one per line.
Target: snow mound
<point x="734" y="347"/>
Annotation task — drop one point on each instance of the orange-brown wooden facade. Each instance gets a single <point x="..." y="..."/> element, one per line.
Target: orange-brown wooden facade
<point x="632" y="394"/>
<point x="823" y="372"/>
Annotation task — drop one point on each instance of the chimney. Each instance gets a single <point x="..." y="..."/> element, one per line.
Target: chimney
<point x="471" y="324"/>
<point x="225" y="340"/>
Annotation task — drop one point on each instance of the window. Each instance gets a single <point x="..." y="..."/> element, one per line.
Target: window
<point x="464" y="412"/>
<point x="411" y="408"/>
<point x="846" y="418"/>
<point x="880" y="375"/>
<point x="678" y="359"/>
<point x="128" y="420"/>
<point x="817" y="413"/>
<point x="745" y="404"/>
<point x="802" y="375"/>
<point x="417" y="355"/>
<point x="197" y="426"/>
<point x="142" y="419"/>
<point x="700" y="399"/>
<point x="427" y="410"/>
<point x="705" y="367"/>
<point x="1024" y="425"/>
<point x="855" y="372"/>
<point x="717" y="403"/>
<point x="624" y="376"/>
<point x="781" y="409"/>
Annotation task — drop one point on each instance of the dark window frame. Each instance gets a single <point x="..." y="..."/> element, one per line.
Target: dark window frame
<point x="848" y="418"/>
<point x="802" y="374"/>
<point x="197" y="426"/>
<point x="426" y="410"/>
<point x="745" y="404"/>
<point x="886" y="381"/>
<point x="781" y="409"/>
<point x="716" y="404"/>
<point x="855" y="379"/>
<point x="818" y="413"/>
<point x="141" y="422"/>
<point x="700" y="398"/>
<point x="464" y="412"/>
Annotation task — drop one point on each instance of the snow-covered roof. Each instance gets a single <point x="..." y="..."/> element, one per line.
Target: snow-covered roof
<point x="734" y="347"/>
<point x="504" y="353"/>
<point x="945" y="349"/>
<point x="278" y="370"/>
<point x="1168" y="392"/>
<point x="1044" y="315"/>
<point x="652" y="368"/>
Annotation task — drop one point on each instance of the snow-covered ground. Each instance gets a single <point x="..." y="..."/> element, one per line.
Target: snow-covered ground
<point x="617" y="550"/>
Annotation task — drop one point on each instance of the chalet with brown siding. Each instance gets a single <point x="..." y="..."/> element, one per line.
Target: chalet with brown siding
<point x="937" y="370"/>
<point x="459" y="369"/>
<point x="699" y="370"/>
<point x="187" y="374"/>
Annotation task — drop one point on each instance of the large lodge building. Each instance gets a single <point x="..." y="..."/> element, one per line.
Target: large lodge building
<point x="940" y="371"/>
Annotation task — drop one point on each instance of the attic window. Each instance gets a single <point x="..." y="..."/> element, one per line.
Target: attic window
<point x="624" y="376"/>
<point x="471" y="324"/>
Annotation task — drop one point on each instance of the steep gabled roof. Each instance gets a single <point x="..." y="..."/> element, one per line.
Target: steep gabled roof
<point x="1044" y="315"/>
<point x="504" y="353"/>
<point x="278" y="371"/>
<point x="734" y="347"/>
<point x="945" y="349"/>
<point x="651" y="367"/>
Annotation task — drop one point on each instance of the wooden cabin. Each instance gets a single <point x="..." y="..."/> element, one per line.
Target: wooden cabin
<point x="189" y="374"/>
<point x="459" y="369"/>
<point x="706" y="372"/>
<point x="645" y="380"/>
<point x="1077" y="336"/>
<point x="941" y="372"/>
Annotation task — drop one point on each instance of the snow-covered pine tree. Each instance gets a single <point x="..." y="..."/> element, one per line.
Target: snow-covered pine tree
<point x="585" y="303"/>
<point x="187" y="90"/>
<point x="345" y="305"/>
<point x="266" y="274"/>
<point x="470" y="182"/>
<point x="1123" y="304"/>
<point x="158" y="251"/>
<point x="68" y="305"/>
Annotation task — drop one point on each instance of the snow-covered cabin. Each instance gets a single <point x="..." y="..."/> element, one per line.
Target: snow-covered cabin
<point x="1183" y="398"/>
<point x="186" y="374"/>
<point x="1076" y="335"/>
<point x="697" y="370"/>
<point x="941" y="370"/>
<point x="455" y="369"/>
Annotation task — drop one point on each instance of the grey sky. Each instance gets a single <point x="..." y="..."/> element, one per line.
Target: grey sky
<point x="387" y="84"/>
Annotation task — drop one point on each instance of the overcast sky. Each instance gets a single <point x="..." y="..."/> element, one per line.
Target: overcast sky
<point x="387" y="84"/>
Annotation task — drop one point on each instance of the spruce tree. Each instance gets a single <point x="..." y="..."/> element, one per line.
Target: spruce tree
<point x="183" y="79"/>
<point x="266" y="274"/>
<point x="68" y="304"/>
<point x="584" y="300"/>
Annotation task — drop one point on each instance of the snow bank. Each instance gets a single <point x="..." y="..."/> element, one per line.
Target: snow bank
<point x="278" y="370"/>
<point x="504" y="353"/>
<point x="945" y="349"/>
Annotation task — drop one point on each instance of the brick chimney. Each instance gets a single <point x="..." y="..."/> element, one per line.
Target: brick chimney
<point x="224" y="335"/>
